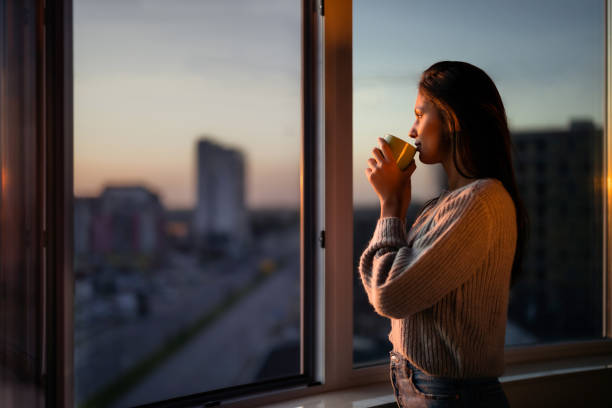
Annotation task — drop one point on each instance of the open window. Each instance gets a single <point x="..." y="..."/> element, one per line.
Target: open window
<point x="104" y="174"/>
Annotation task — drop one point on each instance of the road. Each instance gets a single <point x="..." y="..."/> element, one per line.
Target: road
<point x="106" y="351"/>
<point x="232" y="350"/>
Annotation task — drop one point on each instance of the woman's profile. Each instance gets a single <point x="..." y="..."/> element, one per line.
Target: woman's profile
<point x="445" y="282"/>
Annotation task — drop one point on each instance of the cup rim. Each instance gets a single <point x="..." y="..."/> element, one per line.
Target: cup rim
<point x="410" y="141"/>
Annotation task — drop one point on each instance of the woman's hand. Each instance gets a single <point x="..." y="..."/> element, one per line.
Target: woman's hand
<point x="392" y="185"/>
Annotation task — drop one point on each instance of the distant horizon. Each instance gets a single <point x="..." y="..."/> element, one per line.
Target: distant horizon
<point x="289" y="206"/>
<point x="357" y="206"/>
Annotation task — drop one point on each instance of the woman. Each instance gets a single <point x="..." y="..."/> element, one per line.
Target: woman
<point x="445" y="284"/>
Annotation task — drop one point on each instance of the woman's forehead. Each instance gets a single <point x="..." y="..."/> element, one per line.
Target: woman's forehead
<point x="421" y="102"/>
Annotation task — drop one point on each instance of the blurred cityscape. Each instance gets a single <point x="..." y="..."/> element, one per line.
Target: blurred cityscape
<point x="178" y="302"/>
<point x="559" y="298"/>
<point x="172" y="302"/>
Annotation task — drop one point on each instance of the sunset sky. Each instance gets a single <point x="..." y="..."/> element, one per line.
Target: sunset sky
<point x="153" y="76"/>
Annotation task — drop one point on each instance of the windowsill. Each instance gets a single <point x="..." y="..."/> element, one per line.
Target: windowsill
<point x="525" y="371"/>
<point x="373" y="395"/>
<point x="380" y="395"/>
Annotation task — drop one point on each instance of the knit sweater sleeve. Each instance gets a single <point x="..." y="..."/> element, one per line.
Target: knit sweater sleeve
<point x="401" y="280"/>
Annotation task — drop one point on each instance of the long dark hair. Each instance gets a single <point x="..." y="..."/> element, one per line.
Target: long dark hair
<point x="477" y="130"/>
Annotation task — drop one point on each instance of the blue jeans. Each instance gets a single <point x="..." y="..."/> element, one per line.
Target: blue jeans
<point x="415" y="389"/>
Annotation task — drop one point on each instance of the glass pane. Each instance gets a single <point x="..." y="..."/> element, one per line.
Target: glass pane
<point x="547" y="60"/>
<point x="187" y="237"/>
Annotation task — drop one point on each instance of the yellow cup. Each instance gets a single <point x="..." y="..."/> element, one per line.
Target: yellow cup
<point x="403" y="151"/>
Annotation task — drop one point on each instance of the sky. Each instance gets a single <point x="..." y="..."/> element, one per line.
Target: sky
<point x="151" y="79"/>
<point x="546" y="57"/>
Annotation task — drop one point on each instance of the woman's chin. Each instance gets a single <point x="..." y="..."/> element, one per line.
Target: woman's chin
<point x="424" y="159"/>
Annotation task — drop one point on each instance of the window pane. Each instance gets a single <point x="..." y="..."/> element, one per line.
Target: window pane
<point x="187" y="236"/>
<point x="547" y="59"/>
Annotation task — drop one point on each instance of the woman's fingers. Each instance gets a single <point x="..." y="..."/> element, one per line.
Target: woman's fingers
<point x="372" y="163"/>
<point x="378" y="155"/>
<point x="386" y="149"/>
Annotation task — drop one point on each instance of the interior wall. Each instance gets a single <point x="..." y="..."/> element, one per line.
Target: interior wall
<point x="22" y="367"/>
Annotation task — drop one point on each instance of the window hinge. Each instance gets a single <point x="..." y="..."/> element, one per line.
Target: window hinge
<point x="322" y="239"/>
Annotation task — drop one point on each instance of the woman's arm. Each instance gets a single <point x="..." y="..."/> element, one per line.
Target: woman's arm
<point x="401" y="280"/>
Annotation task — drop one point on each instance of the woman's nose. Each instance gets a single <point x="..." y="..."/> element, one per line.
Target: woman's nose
<point x="412" y="133"/>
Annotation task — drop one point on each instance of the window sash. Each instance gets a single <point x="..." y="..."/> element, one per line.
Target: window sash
<point x="58" y="90"/>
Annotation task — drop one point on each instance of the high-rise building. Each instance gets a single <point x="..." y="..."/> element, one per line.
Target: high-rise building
<point x="220" y="217"/>
<point x="559" y="178"/>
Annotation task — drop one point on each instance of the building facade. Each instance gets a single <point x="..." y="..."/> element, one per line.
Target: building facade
<point x="559" y="177"/>
<point x="220" y="217"/>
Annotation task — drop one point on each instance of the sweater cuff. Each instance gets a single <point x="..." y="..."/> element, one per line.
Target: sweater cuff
<point x="390" y="231"/>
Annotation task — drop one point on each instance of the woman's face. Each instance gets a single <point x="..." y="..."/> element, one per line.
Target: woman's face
<point x="427" y="131"/>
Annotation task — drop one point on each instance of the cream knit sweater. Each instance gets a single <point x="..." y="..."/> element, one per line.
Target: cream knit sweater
<point x="445" y="285"/>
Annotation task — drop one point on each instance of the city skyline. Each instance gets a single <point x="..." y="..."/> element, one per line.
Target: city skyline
<point x="421" y="190"/>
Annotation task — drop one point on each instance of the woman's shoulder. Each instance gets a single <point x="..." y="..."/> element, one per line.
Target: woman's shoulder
<point x="485" y="191"/>
<point x="478" y="187"/>
<point x="492" y="191"/>
<point x="482" y="199"/>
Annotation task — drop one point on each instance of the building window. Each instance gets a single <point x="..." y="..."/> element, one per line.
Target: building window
<point x="537" y="59"/>
<point x="187" y="145"/>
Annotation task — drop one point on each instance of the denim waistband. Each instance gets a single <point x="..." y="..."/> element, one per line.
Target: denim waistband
<point x="419" y="374"/>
